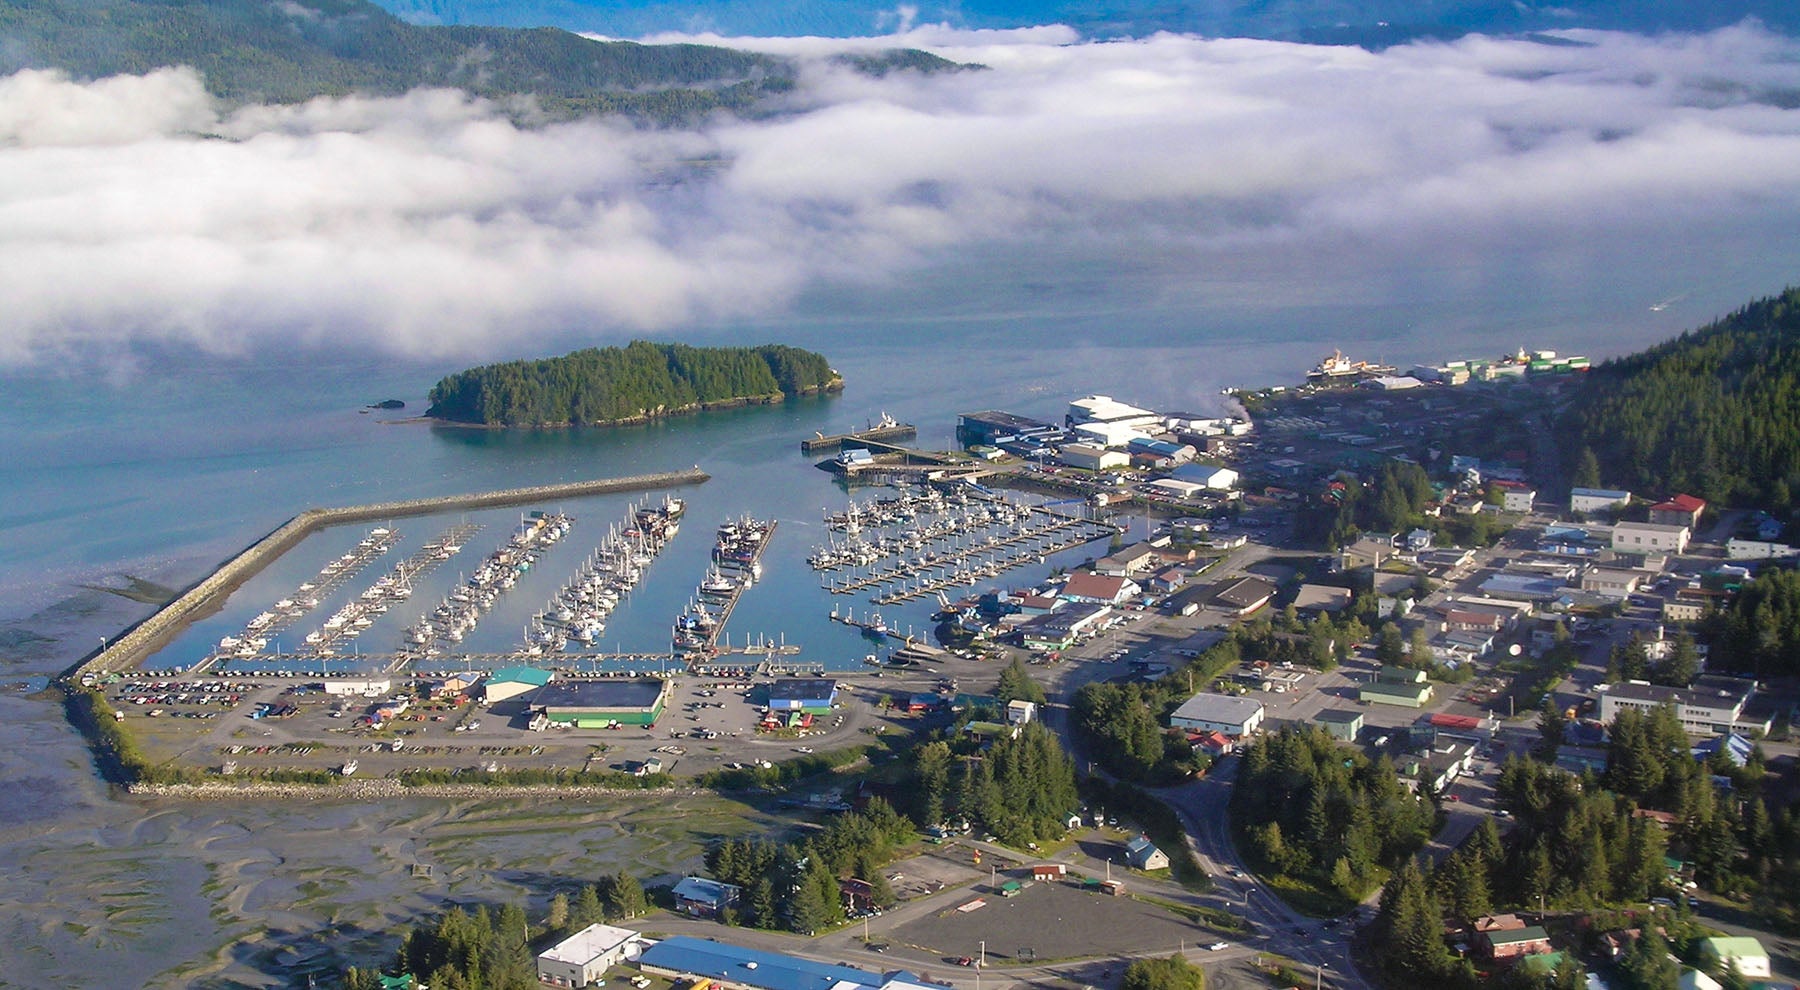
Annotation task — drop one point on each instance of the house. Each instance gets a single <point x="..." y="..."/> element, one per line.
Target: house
<point x="1341" y="724"/>
<point x="1020" y="712"/>
<point x="1418" y="541"/>
<point x="1515" y="496"/>
<point x="1650" y="538"/>
<point x="1213" y="744"/>
<point x="1682" y="510"/>
<point x="1243" y="596"/>
<point x="1314" y="598"/>
<point x="704" y="897"/>
<point x="1045" y="872"/>
<point x="583" y="958"/>
<point x="1611" y="582"/>
<point x="1512" y="943"/>
<point x="1085" y="586"/>
<point x="1742" y="953"/>
<point x="1228" y="714"/>
<point x="1585" y="500"/>
<point x="1142" y="854"/>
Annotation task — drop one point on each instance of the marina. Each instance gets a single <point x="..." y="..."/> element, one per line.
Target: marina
<point x="265" y="626"/>
<point x="919" y="544"/>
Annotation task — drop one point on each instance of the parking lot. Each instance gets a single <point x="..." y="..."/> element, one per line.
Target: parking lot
<point x="272" y="723"/>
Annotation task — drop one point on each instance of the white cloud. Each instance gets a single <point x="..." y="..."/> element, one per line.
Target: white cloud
<point x="134" y="209"/>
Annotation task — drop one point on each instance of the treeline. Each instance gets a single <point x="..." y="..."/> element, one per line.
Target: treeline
<point x="618" y="384"/>
<point x="793" y="885"/>
<point x="463" y="950"/>
<point x="1714" y="412"/>
<point x="1759" y="634"/>
<point x="1320" y="815"/>
<point x="1019" y="789"/>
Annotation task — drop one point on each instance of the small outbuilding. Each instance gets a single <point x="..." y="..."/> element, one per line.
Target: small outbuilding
<point x="1142" y="854"/>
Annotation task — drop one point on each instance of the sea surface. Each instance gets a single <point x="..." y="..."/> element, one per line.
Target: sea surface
<point x="160" y="466"/>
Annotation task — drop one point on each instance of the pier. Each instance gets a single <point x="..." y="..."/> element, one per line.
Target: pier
<point x="882" y="432"/>
<point x="739" y="550"/>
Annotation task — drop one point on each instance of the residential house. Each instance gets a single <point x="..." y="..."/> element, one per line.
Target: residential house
<point x="1585" y="500"/>
<point x="1682" y="510"/>
<point x="705" y="897"/>
<point x="1741" y="953"/>
<point x="1512" y="943"/>
<point x="1142" y="854"/>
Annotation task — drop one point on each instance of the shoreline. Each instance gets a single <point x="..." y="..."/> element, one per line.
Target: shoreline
<point x="641" y="419"/>
<point x="384" y="789"/>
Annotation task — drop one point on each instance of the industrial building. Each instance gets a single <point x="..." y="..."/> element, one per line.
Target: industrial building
<point x="1397" y="686"/>
<point x="602" y="703"/>
<point x="584" y="957"/>
<point x="994" y="427"/>
<point x="1341" y="724"/>
<point x="1225" y="713"/>
<point x="1105" y="409"/>
<point x="1243" y="596"/>
<point x="1058" y="630"/>
<point x="1711" y="706"/>
<point x="803" y="694"/>
<point x="1086" y="586"/>
<point x="1092" y="457"/>
<point x="737" y="968"/>
<point x="510" y="682"/>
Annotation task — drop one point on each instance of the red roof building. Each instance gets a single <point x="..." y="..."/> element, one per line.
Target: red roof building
<point x="1682" y="510"/>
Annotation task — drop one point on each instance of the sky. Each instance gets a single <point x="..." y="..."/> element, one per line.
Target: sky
<point x="134" y="210"/>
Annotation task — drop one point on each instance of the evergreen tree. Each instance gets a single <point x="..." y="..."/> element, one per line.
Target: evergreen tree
<point x="1171" y="973"/>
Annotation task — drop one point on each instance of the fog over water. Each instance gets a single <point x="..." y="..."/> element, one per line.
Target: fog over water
<point x="198" y="299"/>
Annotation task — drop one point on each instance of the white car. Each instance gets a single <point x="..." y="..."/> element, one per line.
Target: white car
<point x="802" y="749"/>
<point x="1218" y="947"/>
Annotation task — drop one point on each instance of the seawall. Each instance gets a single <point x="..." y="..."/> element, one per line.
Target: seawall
<point x="150" y="635"/>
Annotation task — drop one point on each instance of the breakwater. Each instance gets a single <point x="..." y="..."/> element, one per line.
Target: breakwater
<point x="150" y="635"/>
<point x="387" y="788"/>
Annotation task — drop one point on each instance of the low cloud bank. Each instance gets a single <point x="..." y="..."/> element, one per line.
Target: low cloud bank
<point x="134" y="209"/>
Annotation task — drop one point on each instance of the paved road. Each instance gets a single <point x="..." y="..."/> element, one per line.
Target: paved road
<point x="1203" y="806"/>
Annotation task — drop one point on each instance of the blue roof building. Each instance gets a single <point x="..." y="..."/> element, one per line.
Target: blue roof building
<point x="808" y="694"/>
<point x="682" y="955"/>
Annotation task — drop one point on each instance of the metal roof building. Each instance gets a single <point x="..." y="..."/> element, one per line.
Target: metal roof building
<point x="809" y="694"/>
<point x="597" y="704"/>
<point x="736" y="966"/>
<point x="1220" y="713"/>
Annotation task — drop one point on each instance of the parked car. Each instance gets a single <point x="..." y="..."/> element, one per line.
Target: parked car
<point x="1218" y="947"/>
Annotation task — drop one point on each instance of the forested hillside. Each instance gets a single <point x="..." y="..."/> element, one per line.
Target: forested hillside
<point x="1714" y="412"/>
<point x="614" y="384"/>
<point x="253" y="51"/>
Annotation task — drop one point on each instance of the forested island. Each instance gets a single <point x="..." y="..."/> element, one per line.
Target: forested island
<point x="248" y="51"/>
<point x="641" y="381"/>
